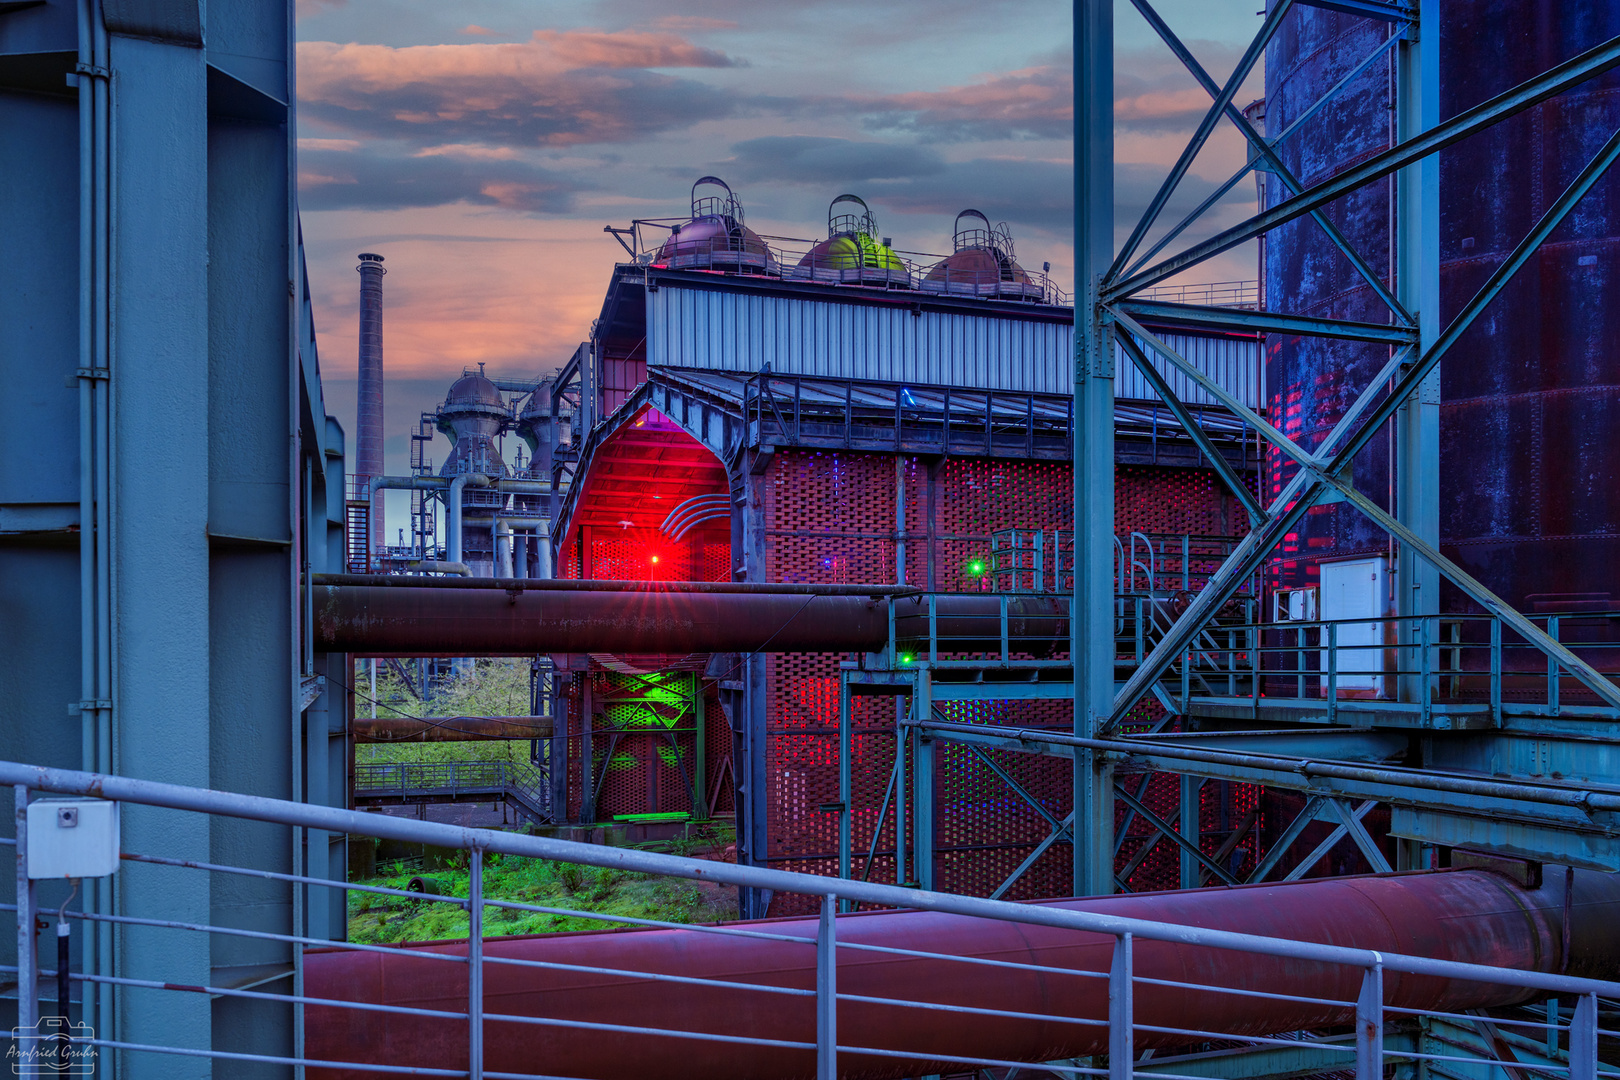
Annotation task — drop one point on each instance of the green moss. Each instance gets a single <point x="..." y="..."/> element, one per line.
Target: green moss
<point x="378" y="919"/>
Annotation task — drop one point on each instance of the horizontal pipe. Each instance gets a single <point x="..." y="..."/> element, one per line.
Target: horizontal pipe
<point x="406" y="616"/>
<point x="1468" y="916"/>
<point x="1576" y="798"/>
<point x="377" y="620"/>
<point x="439" y="566"/>
<point x="387" y="729"/>
<point x="440" y="483"/>
<point x="397" y="581"/>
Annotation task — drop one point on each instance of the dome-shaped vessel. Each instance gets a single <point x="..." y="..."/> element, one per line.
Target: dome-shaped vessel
<point x="982" y="263"/>
<point x="716" y="238"/>
<point x="852" y="254"/>
<point x="472" y="417"/>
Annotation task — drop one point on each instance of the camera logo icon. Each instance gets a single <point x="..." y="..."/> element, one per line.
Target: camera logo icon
<point x="52" y="1047"/>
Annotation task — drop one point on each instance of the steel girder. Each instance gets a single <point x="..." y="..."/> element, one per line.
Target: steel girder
<point x="1264" y="152"/>
<point x="1320" y="472"/>
<point x="1549" y="84"/>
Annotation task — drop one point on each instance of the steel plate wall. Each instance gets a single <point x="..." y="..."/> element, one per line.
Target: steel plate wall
<point x="1530" y="393"/>
<point x="1233" y="362"/>
<point x="884" y="341"/>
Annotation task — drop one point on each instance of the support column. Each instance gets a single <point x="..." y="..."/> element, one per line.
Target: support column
<point x="1189" y="825"/>
<point x="1416" y="426"/>
<point x="1093" y="621"/>
<point x="922" y="784"/>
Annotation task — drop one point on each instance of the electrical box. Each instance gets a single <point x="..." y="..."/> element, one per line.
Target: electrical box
<point x="72" y="838"/>
<point x="1293" y="605"/>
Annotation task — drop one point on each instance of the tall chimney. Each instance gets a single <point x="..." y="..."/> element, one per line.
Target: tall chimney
<point x="369" y="438"/>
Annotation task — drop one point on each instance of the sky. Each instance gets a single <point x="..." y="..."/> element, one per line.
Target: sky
<point x="482" y="146"/>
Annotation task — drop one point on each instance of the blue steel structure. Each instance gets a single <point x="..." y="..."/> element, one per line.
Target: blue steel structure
<point x="1516" y="742"/>
<point x="172" y="478"/>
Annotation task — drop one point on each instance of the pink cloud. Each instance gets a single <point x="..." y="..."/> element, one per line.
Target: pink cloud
<point x="557" y="88"/>
<point x="693" y="22"/>
<point x="474" y="30"/>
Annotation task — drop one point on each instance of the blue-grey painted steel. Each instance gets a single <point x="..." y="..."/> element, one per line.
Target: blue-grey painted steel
<point x="883" y="341"/>
<point x="179" y="471"/>
<point x="1094" y="365"/>
<point x="743" y="331"/>
<point x="303" y="815"/>
<point x="1488" y="113"/>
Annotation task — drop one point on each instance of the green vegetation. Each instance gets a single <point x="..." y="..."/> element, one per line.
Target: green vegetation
<point x="377" y="919"/>
<point x="490" y="687"/>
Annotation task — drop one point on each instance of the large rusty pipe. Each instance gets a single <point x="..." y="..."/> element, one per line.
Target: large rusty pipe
<point x="378" y="618"/>
<point x="1467" y="916"/>
<point x="410" y="616"/>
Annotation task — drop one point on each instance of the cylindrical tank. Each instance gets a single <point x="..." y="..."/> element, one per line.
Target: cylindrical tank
<point x="981" y="263"/>
<point x="472" y="417"/>
<point x="852" y="252"/>
<point x="716" y="238"/>
<point x="1467" y="916"/>
<point x="1530" y="396"/>
<point x="368" y="441"/>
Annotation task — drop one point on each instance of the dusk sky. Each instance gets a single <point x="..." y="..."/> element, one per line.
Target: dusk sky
<point x="481" y="146"/>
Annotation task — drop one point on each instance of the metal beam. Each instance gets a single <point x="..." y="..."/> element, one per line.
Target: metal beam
<point x="1215" y="196"/>
<point x="1275" y="164"/>
<point x="1592" y="808"/>
<point x="1329" y="842"/>
<point x="1168" y="832"/>
<point x="1593" y="679"/>
<point x="1351" y="820"/>
<point x="1266" y="322"/>
<point x="1206" y="127"/>
<point x="1065" y="828"/>
<point x="1372" y="9"/>
<point x="1307" y="484"/>
<point x="1194" y="430"/>
<point x="1526" y="95"/>
<point x="1018" y="789"/>
<point x="1092" y="624"/>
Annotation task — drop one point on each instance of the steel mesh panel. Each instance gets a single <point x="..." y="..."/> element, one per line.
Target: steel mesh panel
<point x="983" y="828"/>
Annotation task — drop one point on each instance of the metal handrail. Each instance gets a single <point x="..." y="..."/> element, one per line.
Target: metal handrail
<point x="1582" y="1031"/>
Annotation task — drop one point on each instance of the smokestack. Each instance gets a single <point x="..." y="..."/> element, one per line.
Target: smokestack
<point x="369" y="438"/>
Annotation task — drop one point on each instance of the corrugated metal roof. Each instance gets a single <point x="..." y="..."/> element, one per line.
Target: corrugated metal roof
<point x="744" y="331"/>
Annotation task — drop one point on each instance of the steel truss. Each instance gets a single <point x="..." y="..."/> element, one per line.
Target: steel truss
<point x="1406" y="390"/>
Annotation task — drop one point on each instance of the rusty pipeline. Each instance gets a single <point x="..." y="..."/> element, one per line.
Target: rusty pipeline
<point x="497" y="617"/>
<point x="1469" y="916"/>
<point x="413" y="616"/>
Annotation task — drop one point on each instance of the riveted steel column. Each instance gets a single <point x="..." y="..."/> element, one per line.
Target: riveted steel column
<point x="1417" y="424"/>
<point x="1093" y="621"/>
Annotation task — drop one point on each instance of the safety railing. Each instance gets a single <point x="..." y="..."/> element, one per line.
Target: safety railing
<point x="1421" y="664"/>
<point x="1001" y="629"/>
<point x="1238" y="294"/>
<point x="1088" y="993"/>
<point x="413" y="781"/>
<point x="790" y="409"/>
<point x="796" y="259"/>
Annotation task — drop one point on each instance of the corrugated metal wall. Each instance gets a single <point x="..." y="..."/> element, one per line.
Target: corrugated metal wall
<point x="1233" y="362"/>
<point x="884" y="342"/>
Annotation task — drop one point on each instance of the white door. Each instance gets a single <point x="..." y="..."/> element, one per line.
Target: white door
<point x="1356" y="589"/>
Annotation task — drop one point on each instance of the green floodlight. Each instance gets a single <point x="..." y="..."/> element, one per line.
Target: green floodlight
<point x="976" y="568"/>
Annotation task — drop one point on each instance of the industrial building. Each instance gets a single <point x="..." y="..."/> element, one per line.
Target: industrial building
<point x="1136" y="675"/>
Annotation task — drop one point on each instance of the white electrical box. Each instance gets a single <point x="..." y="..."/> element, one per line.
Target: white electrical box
<point x="72" y="838"/>
<point x="1355" y="593"/>
<point x="1293" y="605"/>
